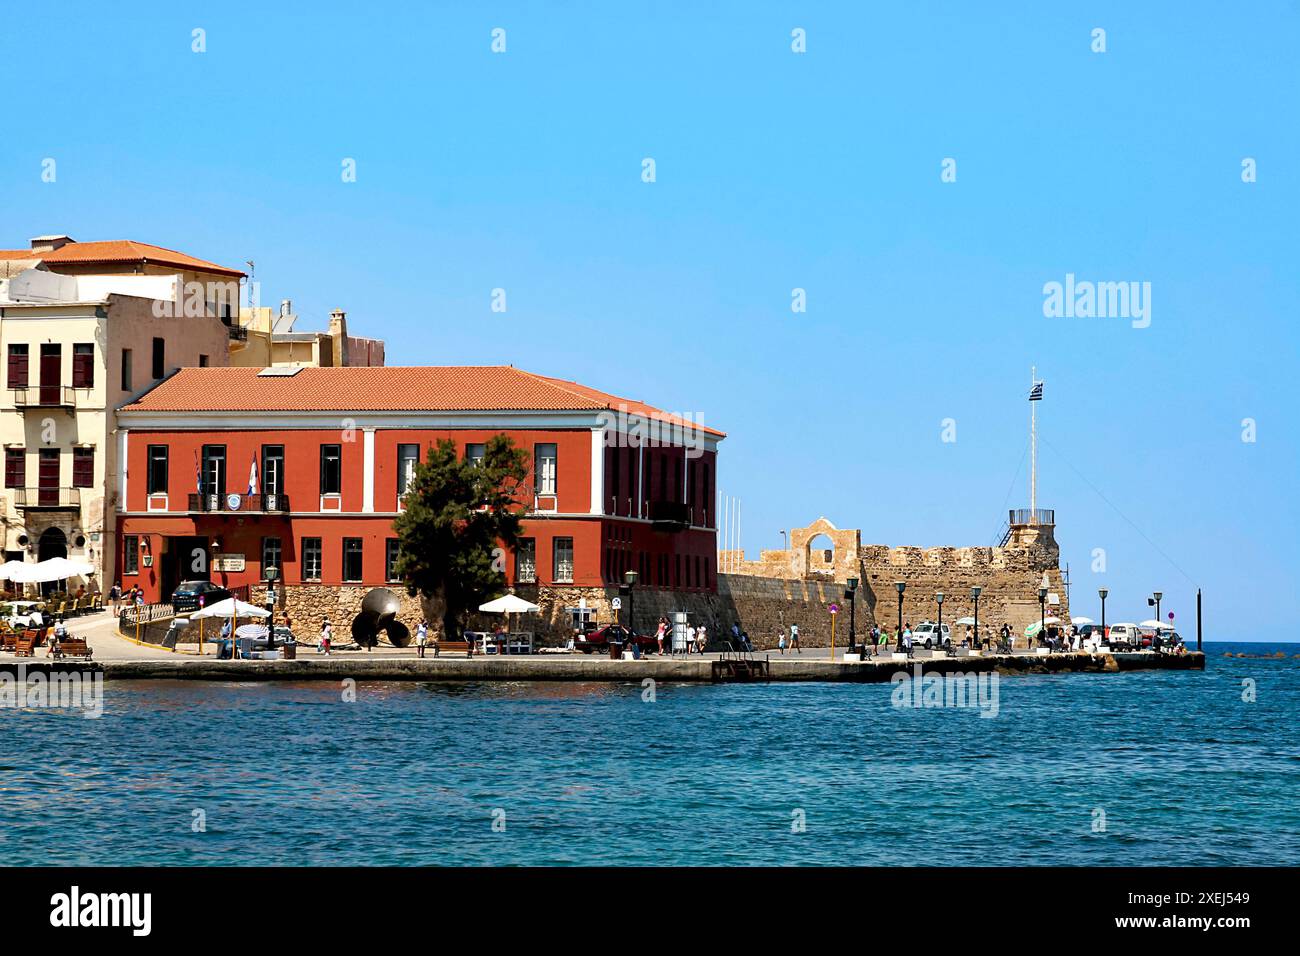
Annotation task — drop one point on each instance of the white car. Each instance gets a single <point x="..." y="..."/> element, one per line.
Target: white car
<point x="927" y="634"/>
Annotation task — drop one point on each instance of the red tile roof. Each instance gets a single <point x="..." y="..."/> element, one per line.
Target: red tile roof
<point x="119" y="250"/>
<point x="383" y="389"/>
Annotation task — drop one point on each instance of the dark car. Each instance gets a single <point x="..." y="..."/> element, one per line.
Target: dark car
<point x="186" y="596"/>
<point x="599" y="640"/>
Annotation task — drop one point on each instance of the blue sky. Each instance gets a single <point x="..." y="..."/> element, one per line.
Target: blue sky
<point x="774" y="170"/>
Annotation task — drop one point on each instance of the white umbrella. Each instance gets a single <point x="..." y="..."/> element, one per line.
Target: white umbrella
<point x="1080" y="619"/>
<point x="231" y="608"/>
<point x="10" y="568"/>
<point x="963" y="620"/>
<point x="1161" y="625"/>
<point x="1034" y="628"/>
<point x="509" y="604"/>
<point x="251" y="630"/>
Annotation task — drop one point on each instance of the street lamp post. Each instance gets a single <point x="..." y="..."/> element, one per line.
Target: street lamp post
<point x="975" y="596"/>
<point x="1156" y="596"/>
<point x="902" y="586"/>
<point x="939" y="599"/>
<point x="629" y="578"/>
<point x="852" y="595"/>
<point x="1101" y="593"/>
<point x="1042" y="612"/>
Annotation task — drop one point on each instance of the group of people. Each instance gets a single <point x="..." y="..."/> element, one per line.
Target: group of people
<point x="132" y="596"/>
<point x="697" y="638"/>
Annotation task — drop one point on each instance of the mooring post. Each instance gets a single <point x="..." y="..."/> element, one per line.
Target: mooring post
<point x="1198" y="619"/>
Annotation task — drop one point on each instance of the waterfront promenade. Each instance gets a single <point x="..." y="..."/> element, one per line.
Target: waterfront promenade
<point x="121" y="659"/>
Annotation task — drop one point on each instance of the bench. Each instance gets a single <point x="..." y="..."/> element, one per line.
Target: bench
<point x="454" y="646"/>
<point x="73" y="647"/>
<point x="25" y="646"/>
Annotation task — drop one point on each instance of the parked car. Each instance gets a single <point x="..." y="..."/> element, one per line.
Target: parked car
<point x="186" y="596"/>
<point x="1124" y="637"/>
<point x="598" y="640"/>
<point x="927" y="634"/>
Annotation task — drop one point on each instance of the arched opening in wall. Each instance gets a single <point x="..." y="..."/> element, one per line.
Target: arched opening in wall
<point x="53" y="544"/>
<point x="821" y="555"/>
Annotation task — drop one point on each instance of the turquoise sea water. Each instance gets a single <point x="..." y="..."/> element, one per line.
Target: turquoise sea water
<point x="1185" y="771"/>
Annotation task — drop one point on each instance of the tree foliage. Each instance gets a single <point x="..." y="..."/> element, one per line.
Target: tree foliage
<point x="460" y="521"/>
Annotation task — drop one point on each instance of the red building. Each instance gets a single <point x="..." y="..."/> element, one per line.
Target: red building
<point x="226" y="472"/>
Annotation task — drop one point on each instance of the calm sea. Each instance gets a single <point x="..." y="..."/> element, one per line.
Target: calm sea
<point x="1171" y="768"/>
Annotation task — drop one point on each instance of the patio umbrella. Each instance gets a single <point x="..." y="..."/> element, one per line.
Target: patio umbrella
<point x="963" y="620"/>
<point x="1081" y="620"/>
<point x="509" y="604"/>
<point x="1033" y="629"/>
<point x="251" y="630"/>
<point x="231" y="607"/>
<point x="1154" y="625"/>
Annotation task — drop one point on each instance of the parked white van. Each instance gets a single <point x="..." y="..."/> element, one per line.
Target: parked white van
<point x="1123" y="637"/>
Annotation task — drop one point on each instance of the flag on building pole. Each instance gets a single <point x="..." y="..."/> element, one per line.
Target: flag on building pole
<point x="1036" y="393"/>
<point x="252" y="476"/>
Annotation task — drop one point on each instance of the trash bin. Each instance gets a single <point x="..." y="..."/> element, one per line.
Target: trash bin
<point x="289" y="651"/>
<point x="615" y="650"/>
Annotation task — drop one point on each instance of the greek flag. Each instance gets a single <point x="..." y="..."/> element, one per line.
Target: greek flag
<point x="1036" y="393"/>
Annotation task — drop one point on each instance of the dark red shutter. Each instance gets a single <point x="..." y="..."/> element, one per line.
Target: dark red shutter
<point x="83" y="467"/>
<point x="17" y="366"/>
<point x="83" y="366"/>
<point x="15" y="467"/>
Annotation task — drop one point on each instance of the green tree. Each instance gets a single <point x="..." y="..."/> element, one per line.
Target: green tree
<point x="461" y="519"/>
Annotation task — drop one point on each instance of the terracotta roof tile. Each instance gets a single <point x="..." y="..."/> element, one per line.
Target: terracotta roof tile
<point x="119" y="250"/>
<point x="380" y="389"/>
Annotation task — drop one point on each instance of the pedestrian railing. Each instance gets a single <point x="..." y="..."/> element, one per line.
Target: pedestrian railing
<point x="144" y="614"/>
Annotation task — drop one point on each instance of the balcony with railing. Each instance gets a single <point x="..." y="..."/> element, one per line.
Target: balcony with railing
<point x="47" y="498"/>
<point x="45" y="396"/>
<point x="238" y="504"/>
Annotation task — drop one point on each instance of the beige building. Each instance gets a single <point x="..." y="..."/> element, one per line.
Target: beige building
<point x="267" y="338"/>
<point x="84" y="328"/>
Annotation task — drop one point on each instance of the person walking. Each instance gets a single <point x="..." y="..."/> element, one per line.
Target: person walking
<point x="660" y="631"/>
<point x="794" y="639"/>
<point x="907" y="639"/>
<point x="323" y="642"/>
<point x="690" y="639"/>
<point x="702" y="635"/>
<point x="115" y="597"/>
<point x="421" y="637"/>
<point x="780" y="639"/>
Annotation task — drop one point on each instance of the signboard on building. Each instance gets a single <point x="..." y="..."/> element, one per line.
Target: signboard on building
<point x="228" y="562"/>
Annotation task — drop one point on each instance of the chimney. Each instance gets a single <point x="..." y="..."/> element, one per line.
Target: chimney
<point x="50" y="243"/>
<point x="339" y="336"/>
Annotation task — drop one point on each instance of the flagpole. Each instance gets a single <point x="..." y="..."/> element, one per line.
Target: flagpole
<point x="1033" y="449"/>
